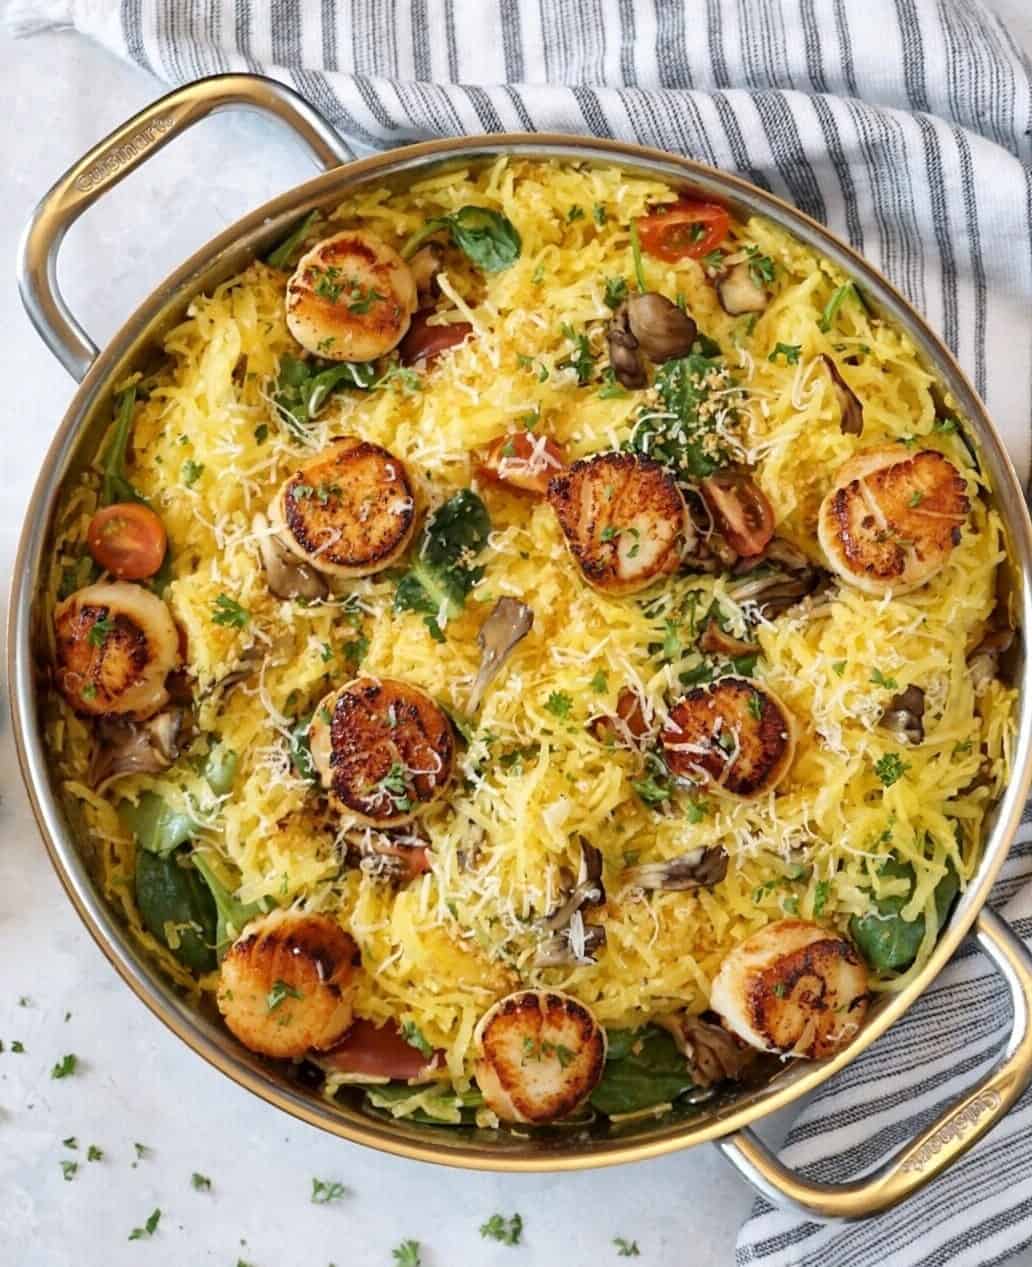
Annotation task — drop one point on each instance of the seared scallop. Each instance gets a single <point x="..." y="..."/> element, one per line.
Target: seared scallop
<point x="383" y="749"/>
<point x="116" y="643"/>
<point x="793" y="988"/>
<point x="286" y="984"/>
<point x="892" y="518"/>
<point x="732" y="734"/>
<point x="540" y="1055"/>
<point x="349" y="511"/>
<point x="624" y="519"/>
<point x="351" y="297"/>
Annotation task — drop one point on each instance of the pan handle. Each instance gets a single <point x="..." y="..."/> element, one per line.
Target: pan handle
<point x="940" y="1144"/>
<point x="122" y="152"/>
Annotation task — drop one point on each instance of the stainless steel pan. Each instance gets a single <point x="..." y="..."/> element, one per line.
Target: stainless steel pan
<point x="724" y="1120"/>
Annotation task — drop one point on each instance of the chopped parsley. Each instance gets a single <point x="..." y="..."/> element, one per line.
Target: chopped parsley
<point x="714" y="260"/>
<point x="755" y="705"/>
<point x="99" y="631"/>
<point x="625" y="1248"/>
<point x="407" y="1254"/>
<point x="616" y="292"/>
<point x="17" y="1047"/>
<point x="148" y="1229"/>
<point x="915" y="499"/>
<point x="190" y="472"/>
<point x="326" y="653"/>
<point x="574" y="213"/>
<point x="600" y="682"/>
<point x="70" y="1142"/>
<point x="761" y="267"/>
<point x="890" y="768"/>
<point x="948" y="425"/>
<point x="280" y="991"/>
<point x="361" y="299"/>
<point x="326" y="1190"/>
<point x="327" y="283"/>
<point x="790" y="351"/>
<point x="820" y="897"/>
<point x="68" y="1169"/>
<point x="559" y="704"/>
<point x="580" y="359"/>
<point x="394" y="785"/>
<point x="598" y="214"/>
<point x="839" y="667"/>
<point x="141" y="1151"/>
<point x="93" y="1153"/>
<point x="65" y="1067"/>
<point x="413" y="1035"/>
<point x="228" y="612"/>
<point x="506" y="1231"/>
<point x="261" y="432"/>
<point x="651" y="790"/>
<point x="879" y="679"/>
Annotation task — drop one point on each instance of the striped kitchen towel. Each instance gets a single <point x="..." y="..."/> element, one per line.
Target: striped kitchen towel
<point x="906" y="126"/>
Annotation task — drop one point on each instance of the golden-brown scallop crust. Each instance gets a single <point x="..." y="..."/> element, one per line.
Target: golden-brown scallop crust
<point x="624" y="519"/>
<point x="350" y="510"/>
<point x="285" y="984"/>
<point x="893" y="517"/>
<point x="733" y="734"/>
<point x="386" y="752"/>
<point x="542" y="1053"/>
<point x="795" y="1004"/>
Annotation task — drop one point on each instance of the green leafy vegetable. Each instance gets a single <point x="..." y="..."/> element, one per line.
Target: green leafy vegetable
<point x="643" y="1068"/>
<point x="407" y="1254"/>
<point x="413" y="1035"/>
<point x="625" y="1248"/>
<point x="232" y="915"/>
<point x="616" y="292"/>
<point x="886" y="940"/>
<point x="303" y="387"/>
<point x="283" y="254"/>
<point x="300" y="750"/>
<point x="68" y="1169"/>
<point x="227" y="611"/>
<point x="683" y="435"/>
<point x="157" y="826"/>
<point x="326" y="1190"/>
<point x="191" y="472"/>
<point x="488" y="238"/>
<point x="559" y="704"/>
<point x="580" y="359"/>
<point x="148" y="1229"/>
<point x="201" y="1182"/>
<point x="443" y="572"/>
<point x="505" y="1231"/>
<point x="66" y="1066"/>
<point x="177" y="908"/>
<point x="831" y="308"/>
<point x="890" y="768"/>
<point x="93" y="1153"/>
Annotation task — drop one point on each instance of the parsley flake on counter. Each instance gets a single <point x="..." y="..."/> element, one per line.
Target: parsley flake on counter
<point x="68" y="1169"/>
<point x="559" y="704"/>
<point x="19" y="1048"/>
<point x="407" y="1254"/>
<point x="141" y="1151"/>
<point x="93" y="1153"/>
<point x="890" y="768"/>
<point x="326" y="1190"/>
<point x="201" y="1182"/>
<point x="24" y="1001"/>
<point x="70" y="1142"/>
<point x="148" y="1229"/>
<point x="227" y="611"/>
<point x="625" y="1248"/>
<point x="506" y="1231"/>
<point x="65" y="1067"/>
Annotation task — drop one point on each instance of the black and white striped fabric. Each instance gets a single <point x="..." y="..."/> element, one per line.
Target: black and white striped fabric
<point x="906" y="126"/>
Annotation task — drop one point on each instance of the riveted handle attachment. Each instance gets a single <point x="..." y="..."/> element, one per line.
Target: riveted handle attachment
<point x="938" y="1146"/>
<point x="113" y="158"/>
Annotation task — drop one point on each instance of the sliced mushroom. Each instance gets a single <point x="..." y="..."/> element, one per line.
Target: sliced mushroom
<point x="579" y="943"/>
<point x="248" y="664"/>
<point x="984" y="660"/>
<point x="662" y="330"/>
<point x="713" y="1055"/>
<point x="739" y="292"/>
<point x="287" y="575"/>
<point x="394" y="858"/>
<point x="716" y="641"/>
<point x="425" y="265"/>
<point x="904" y="716"/>
<point x="123" y="746"/>
<point x="508" y="623"/>
<point x="698" y="869"/>
<point x="852" y="423"/>
<point x="625" y="356"/>
<point x="776" y="580"/>
<point x="588" y="891"/>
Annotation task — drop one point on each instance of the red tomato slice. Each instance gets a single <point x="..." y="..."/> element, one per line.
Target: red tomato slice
<point x="128" y="540"/>
<point x="523" y="461"/>
<point x="741" y="509"/>
<point x="682" y="229"/>
<point x="426" y="343"/>
<point x="378" y="1051"/>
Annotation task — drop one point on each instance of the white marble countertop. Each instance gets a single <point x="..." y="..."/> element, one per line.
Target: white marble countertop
<point x="134" y="1083"/>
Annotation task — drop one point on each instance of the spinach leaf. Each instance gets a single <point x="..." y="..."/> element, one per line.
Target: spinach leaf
<point x="303" y="387"/>
<point x="488" y="238"/>
<point x="888" y="942"/>
<point x="443" y="572"/>
<point x="173" y="899"/>
<point x="157" y="826"/>
<point x="683" y="436"/>
<point x="446" y="1101"/>
<point x="115" y="485"/>
<point x="643" y="1068"/>
<point x="232" y="915"/>
<point x="281" y="256"/>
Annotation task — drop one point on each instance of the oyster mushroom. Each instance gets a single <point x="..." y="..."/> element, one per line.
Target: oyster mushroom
<point x="425" y="265"/>
<point x="739" y="292"/>
<point x="625" y="355"/>
<point x="716" y="641"/>
<point x="713" y="1055"/>
<point x="852" y="423"/>
<point x="394" y="858"/>
<point x="984" y="660"/>
<point x="124" y="746"/>
<point x="662" y="330"/>
<point x="904" y="716"/>
<point x="580" y="943"/>
<point x="508" y="623"/>
<point x="697" y="869"/>
<point x="568" y="939"/>
<point x="777" y="579"/>
<point x="287" y="575"/>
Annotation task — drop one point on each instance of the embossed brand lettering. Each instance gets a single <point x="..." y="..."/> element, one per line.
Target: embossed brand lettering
<point x="960" y="1125"/>
<point x="129" y="149"/>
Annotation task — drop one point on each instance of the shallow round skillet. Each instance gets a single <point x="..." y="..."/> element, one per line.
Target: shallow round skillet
<point x="725" y="1119"/>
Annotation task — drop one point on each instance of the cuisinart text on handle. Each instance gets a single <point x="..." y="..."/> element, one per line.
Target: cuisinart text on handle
<point x="122" y="154"/>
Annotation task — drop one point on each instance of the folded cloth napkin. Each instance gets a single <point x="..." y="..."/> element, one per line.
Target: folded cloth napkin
<point x="906" y="126"/>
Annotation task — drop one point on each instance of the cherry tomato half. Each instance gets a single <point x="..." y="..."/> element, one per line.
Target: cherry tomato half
<point x="682" y="229"/>
<point x="523" y="461"/>
<point x="425" y="343"/>
<point x="378" y="1051"/>
<point x="744" y="515"/>
<point x="127" y="540"/>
